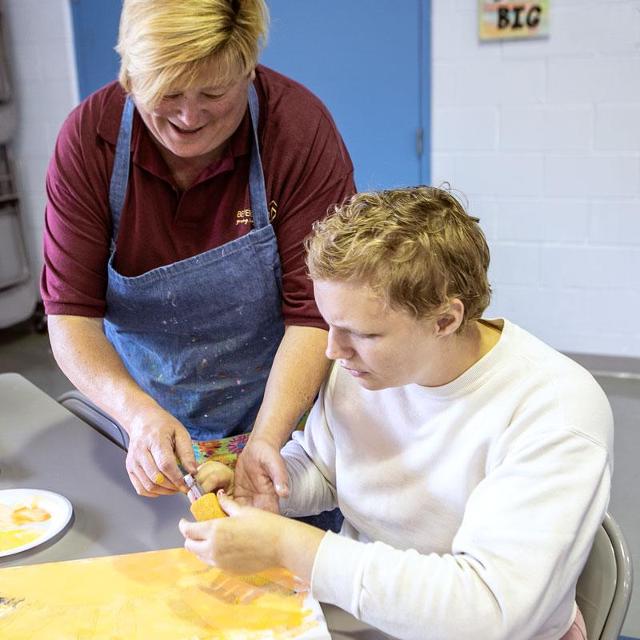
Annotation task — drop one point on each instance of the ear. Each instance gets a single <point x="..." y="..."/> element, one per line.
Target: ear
<point x="252" y="75"/>
<point x="448" y="322"/>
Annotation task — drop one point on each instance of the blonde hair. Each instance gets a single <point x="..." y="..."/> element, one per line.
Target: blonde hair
<point x="168" y="43"/>
<point x="416" y="247"/>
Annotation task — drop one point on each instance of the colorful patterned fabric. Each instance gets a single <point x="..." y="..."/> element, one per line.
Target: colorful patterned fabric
<point x="225" y="450"/>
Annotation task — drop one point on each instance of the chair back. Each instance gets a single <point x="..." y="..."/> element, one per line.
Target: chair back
<point x="604" y="587"/>
<point x="84" y="409"/>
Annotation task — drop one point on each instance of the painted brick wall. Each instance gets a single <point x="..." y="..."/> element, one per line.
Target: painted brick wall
<point x="40" y="52"/>
<point x="543" y="139"/>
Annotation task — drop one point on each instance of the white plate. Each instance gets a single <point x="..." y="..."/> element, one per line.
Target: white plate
<point x="58" y="506"/>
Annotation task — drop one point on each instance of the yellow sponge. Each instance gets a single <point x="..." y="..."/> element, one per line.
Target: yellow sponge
<point x="207" y="508"/>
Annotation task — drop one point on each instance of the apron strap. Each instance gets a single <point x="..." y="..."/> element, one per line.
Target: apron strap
<point x="120" y="172"/>
<point x="257" y="189"/>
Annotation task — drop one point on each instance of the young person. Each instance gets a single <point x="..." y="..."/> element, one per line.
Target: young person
<point x="472" y="462"/>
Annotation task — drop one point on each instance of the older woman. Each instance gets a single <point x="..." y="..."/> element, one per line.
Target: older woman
<point x="174" y="278"/>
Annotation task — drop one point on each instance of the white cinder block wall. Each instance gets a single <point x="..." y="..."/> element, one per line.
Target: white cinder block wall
<point x="41" y="56"/>
<point x="543" y="138"/>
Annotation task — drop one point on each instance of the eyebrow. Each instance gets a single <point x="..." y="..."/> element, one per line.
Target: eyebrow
<point x="351" y="329"/>
<point x="208" y="89"/>
<point x="218" y="87"/>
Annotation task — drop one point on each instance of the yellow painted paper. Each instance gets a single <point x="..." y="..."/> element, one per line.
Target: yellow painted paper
<point x="159" y="595"/>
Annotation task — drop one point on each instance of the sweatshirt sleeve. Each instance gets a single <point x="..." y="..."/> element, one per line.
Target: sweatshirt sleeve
<point x="310" y="460"/>
<point x="517" y="554"/>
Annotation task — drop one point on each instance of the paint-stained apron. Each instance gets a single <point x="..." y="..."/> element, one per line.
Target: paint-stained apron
<point x="200" y="335"/>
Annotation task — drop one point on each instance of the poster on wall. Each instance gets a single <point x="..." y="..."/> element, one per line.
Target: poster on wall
<point x="500" y="20"/>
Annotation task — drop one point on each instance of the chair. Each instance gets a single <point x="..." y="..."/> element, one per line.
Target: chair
<point x="604" y="587"/>
<point x="84" y="409"/>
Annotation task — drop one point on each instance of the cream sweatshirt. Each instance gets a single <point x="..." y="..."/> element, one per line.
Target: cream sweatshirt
<point x="470" y="508"/>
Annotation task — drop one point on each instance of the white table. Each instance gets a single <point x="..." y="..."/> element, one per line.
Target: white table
<point x="44" y="446"/>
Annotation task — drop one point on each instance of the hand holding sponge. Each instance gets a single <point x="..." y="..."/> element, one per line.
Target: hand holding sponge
<point x="207" y="508"/>
<point x="211" y="476"/>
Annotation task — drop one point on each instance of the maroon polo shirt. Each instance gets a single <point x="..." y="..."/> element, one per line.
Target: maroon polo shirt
<point x="306" y="166"/>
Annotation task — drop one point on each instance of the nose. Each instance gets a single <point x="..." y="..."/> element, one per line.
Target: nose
<point x="189" y="112"/>
<point x="338" y="346"/>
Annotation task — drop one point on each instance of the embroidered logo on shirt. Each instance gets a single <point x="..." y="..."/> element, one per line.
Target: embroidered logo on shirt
<point x="244" y="217"/>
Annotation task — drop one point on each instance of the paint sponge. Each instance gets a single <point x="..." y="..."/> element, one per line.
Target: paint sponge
<point x="207" y="508"/>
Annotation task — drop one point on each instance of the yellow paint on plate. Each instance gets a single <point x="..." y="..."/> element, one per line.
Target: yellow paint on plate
<point x="13" y="538"/>
<point x="23" y="513"/>
<point x="17" y="524"/>
<point x="164" y="595"/>
<point x="32" y="513"/>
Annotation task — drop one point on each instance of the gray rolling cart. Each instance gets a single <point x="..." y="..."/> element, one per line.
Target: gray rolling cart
<point x="17" y="290"/>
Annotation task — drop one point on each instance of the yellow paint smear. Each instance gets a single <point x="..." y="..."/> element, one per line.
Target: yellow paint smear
<point x="13" y="538"/>
<point x="10" y="516"/>
<point x="34" y="513"/>
<point x="16" y="524"/>
<point x="164" y="595"/>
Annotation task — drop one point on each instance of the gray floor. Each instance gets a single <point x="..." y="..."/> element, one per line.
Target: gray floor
<point x="28" y="353"/>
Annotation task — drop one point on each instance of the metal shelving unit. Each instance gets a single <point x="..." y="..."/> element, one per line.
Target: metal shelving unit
<point x="17" y="291"/>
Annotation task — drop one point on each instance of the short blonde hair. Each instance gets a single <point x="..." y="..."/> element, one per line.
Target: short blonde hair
<point x="416" y="247"/>
<point x="168" y="43"/>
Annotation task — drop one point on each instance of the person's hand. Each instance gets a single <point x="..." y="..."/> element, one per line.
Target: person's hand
<point x="246" y="542"/>
<point x="156" y="440"/>
<point x="212" y="475"/>
<point x="251" y="540"/>
<point x="261" y="476"/>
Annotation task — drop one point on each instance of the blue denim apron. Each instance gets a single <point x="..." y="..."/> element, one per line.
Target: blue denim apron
<point x="200" y="335"/>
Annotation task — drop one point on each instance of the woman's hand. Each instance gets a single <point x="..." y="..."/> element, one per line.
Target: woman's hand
<point x="252" y="540"/>
<point x="156" y="440"/>
<point x="261" y="476"/>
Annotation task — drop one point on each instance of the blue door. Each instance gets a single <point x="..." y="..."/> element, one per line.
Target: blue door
<point x="95" y="34"/>
<point x="368" y="60"/>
